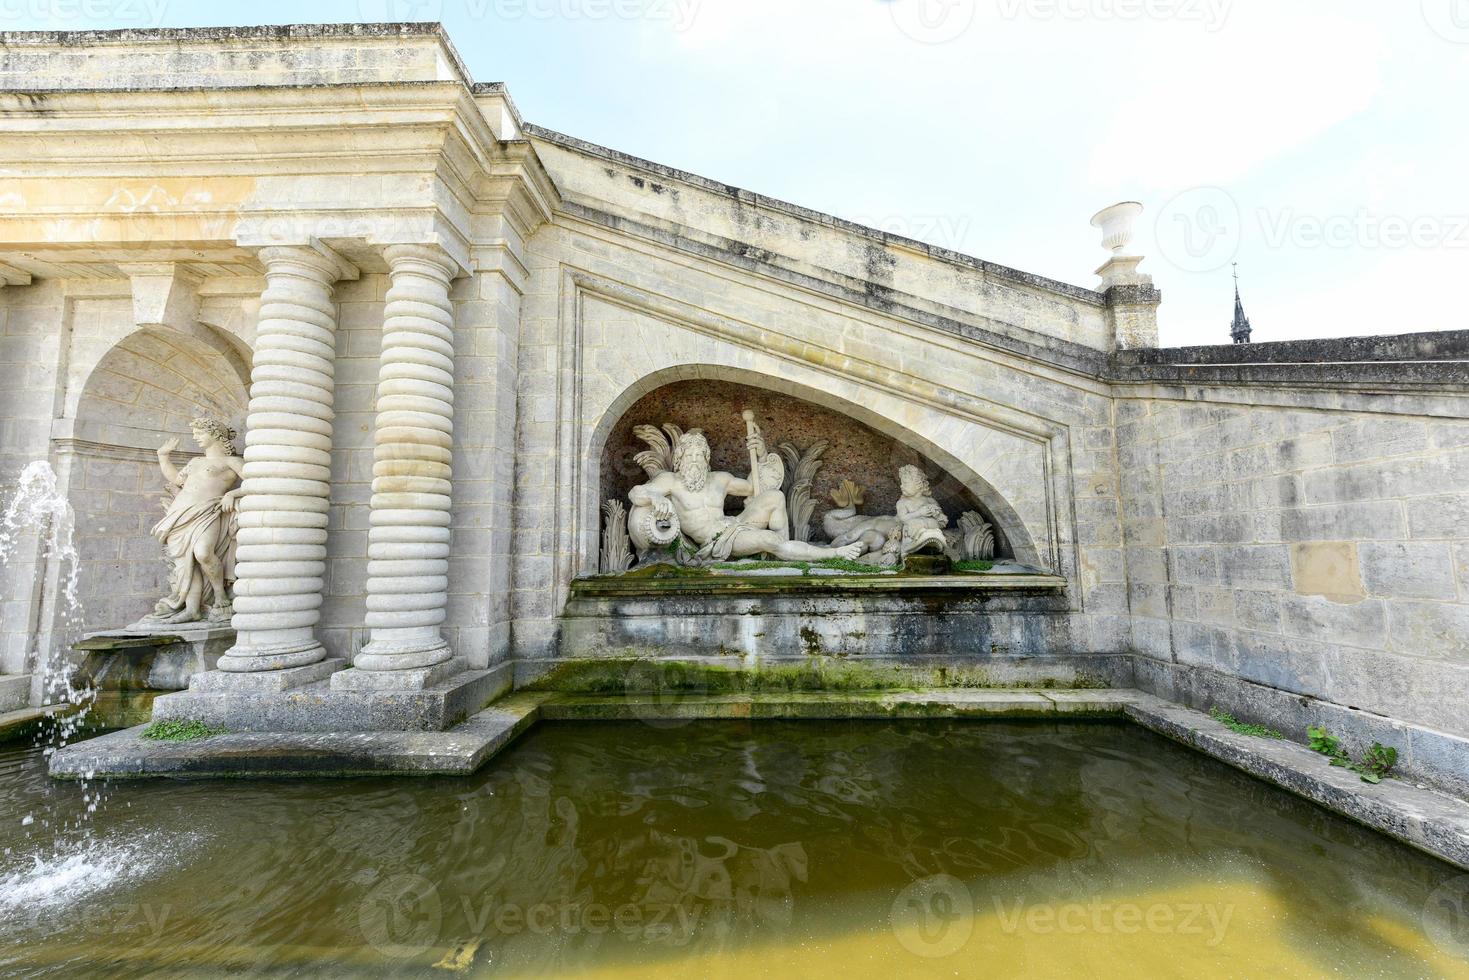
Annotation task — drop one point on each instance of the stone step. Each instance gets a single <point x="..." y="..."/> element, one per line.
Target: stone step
<point x="316" y="707"/>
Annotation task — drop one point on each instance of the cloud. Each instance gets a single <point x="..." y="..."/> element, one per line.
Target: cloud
<point x="1210" y="108"/>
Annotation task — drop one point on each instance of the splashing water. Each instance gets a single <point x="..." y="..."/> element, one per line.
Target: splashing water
<point x="40" y="510"/>
<point x="40" y="513"/>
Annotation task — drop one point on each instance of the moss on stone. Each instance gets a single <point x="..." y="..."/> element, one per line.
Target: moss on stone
<point x="819" y="672"/>
<point x="180" y="730"/>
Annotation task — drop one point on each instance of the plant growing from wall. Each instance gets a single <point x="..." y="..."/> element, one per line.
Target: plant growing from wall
<point x="801" y="470"/>
<point x="1378" y="762"/>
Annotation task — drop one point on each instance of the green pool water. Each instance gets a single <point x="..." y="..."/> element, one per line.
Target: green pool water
<point x="726" y="850"/>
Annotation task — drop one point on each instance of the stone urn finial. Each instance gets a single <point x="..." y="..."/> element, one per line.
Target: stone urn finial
<point x="1116" y="223"/>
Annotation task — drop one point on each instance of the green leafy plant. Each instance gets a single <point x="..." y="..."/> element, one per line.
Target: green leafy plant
<point x="1324" y="742"/>
<point x="1242" y="728"/>
<point x="180" y="730"/>
<point x="1377" y="763"/>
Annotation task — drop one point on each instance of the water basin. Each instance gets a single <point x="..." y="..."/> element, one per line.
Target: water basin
<point x="727" y="849"/>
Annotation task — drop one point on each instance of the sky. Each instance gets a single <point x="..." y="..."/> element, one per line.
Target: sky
<point x="1323" y="145"/>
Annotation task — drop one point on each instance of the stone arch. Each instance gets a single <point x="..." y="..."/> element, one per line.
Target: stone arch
<point x="146" y="387"/>
<point x="1018" y="537"/>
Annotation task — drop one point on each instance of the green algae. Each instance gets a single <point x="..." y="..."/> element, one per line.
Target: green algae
<point x="819" y="673"/>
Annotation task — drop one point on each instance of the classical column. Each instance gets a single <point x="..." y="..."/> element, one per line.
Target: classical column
<point x="408" y="536"/>
<point x="281" y="548"/>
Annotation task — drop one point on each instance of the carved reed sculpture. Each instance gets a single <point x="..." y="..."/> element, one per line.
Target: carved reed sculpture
<point x="801" y="468"/>
<point x="616" y="555"/>
<point x="977" y="537"/>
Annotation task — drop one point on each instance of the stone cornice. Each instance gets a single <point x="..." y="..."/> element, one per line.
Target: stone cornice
<point x="238" y="156"/>
<point x="990" y="269"/>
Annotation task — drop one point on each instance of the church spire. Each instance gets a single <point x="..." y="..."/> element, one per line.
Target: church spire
<point x="1239" y="330"/>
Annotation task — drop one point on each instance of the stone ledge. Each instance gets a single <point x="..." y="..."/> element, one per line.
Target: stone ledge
<point x="249" y="754"/>
<point x="817" y="705"/>
<point x="318" y="709"/>
<point x="1430" y="821"/>
<point x="739" y="585"/>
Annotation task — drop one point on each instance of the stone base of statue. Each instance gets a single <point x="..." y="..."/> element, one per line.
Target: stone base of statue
<point x="925" y="563"/>
<point x="129" y="667"/>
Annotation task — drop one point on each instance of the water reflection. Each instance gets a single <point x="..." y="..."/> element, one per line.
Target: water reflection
<point x="724" y="849"/>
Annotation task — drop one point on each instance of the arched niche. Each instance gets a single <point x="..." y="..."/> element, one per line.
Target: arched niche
<point x="864" y="446"/>
<point x="146" y="388"/>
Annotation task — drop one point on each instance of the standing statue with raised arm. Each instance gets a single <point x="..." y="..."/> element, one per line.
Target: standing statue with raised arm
<point x="198" y="527"/>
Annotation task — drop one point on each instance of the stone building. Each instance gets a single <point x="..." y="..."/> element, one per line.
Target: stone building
<point x="1274" y="528"/>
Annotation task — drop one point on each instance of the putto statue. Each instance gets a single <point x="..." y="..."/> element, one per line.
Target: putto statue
<point x="198" y="527"/>
<point x="921" y="518"/>
<point x="687" y="498"/>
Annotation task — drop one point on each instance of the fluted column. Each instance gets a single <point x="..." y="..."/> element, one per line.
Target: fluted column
<point x="408" y="536"/>
<point x="281" y="547"/>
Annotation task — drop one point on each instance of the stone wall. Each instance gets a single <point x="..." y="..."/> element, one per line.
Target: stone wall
<point x="1321" y="552"/>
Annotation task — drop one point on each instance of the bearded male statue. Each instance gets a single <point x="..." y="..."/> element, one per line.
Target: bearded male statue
<point x="694" y="495"/>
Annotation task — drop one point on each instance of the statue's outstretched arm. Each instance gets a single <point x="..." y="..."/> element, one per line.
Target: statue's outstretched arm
<point x="165" y="463"/>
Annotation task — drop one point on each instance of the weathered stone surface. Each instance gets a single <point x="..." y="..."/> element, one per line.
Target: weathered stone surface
<point x="1329" y="569"/>
<point x="317" y="707"/>
<point x="464" y="749"/>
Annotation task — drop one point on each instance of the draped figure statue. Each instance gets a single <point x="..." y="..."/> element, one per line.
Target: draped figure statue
<point x="198" y="527"/>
